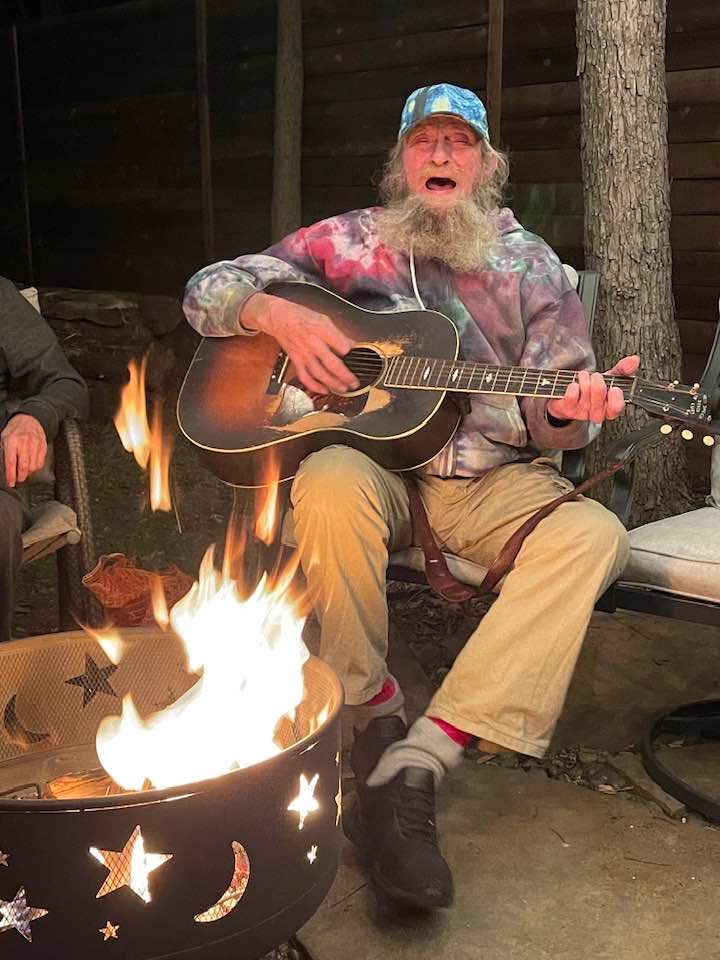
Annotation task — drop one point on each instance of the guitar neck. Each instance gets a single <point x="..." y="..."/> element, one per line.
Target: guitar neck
<point x="464" y="376"/>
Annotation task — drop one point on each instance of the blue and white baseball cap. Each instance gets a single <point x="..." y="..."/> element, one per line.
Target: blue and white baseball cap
<point x="444" y="99"/>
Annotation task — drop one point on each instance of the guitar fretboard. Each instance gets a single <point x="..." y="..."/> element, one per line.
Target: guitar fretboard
<point x="467" y="377"/>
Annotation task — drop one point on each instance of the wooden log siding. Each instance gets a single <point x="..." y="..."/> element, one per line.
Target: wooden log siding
<point x="126" y="141"/>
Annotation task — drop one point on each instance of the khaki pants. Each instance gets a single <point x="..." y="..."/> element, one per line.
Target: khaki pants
<point x="509" y="683"/>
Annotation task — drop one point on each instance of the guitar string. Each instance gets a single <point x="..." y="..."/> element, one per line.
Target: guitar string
<point x="465" y="367"/>
<point x="367" y="366"/>
<point x="509" y="374"/>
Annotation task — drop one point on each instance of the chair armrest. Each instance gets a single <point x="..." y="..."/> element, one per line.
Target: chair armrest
<point x="627" y="448"/>
<point x="621" y="493"/>
<point x="71" y="483"/>
<point x="573" y="465"/>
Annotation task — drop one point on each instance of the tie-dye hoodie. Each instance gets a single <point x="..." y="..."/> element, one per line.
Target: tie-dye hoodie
<point x="520" y="310"/>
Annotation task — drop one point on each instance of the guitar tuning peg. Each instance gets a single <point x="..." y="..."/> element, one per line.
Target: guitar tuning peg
<point x="666" y="428"/>
<point x="709" y="440"/>
<point x="686" y="434"/>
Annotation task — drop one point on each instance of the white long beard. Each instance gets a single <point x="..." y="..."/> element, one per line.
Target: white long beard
<point x="461" y="235"/>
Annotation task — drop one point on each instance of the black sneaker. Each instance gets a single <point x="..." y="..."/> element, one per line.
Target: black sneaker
<point x="394" y="824"/>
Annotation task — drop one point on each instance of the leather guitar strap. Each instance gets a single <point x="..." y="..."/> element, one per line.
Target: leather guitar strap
<point x="436" y="568"/>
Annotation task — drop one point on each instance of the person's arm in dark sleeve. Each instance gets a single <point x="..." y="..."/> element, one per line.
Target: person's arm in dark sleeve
<point x="48" y="387"/>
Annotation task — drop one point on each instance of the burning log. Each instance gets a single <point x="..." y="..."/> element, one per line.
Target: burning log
<point x="94" y="783"/>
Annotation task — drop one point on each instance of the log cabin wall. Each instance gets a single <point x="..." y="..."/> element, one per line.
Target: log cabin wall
<point x="110" y="113"/>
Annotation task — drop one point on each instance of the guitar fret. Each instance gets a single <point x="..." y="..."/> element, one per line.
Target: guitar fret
<point x="554" y="386"/>
<point x="409" y="370"/>
<point x="440" y="374"/>
<point x="415" y="371"/>
<point x="522" y="382"/>
<point x="398" y="364"/>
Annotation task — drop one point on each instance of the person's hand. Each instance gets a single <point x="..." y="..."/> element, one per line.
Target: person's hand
<point x="310" y="339"/>
<point x="24" y="447"/>
<point x="588" y="397"/>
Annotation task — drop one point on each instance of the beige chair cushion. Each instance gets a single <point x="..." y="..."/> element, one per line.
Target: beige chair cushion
<point x="679" y="555"/>
<point x="53" y="525"/>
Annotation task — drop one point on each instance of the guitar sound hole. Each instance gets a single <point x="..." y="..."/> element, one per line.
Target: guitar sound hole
<point x="367" y="365"/>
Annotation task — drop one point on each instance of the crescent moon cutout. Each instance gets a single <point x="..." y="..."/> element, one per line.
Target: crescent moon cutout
<point x="232" y="896"/>
<point x="17" y="732"/>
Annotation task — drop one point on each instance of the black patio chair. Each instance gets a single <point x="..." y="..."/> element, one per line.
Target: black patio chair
<point x="62" y="524"/>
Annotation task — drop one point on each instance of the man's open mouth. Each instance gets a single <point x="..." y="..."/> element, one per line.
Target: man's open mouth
<point x="440" y="183"/>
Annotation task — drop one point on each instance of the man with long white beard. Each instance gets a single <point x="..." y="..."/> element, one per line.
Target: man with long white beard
<point x="440" y="241"/>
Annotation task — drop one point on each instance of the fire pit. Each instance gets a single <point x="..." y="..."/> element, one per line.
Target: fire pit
<point x="227" y="867"/>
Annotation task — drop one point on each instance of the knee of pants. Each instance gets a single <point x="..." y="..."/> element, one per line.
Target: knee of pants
<point x="335" y="478"/>
<point x="597" y="533"/>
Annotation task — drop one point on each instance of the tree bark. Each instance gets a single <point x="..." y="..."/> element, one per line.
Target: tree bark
<point x="621" y="65"/>
<point x="287" y="141"/>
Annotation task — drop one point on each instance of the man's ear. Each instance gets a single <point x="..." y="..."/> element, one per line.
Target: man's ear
<point x="489" y="164"/>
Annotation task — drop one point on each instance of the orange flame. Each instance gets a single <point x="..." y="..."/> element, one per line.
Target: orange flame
<point x="110" y="640"/>
<point x="159" y="603"/>
<point x="160" y="456"/>
<point x="131" y="419"/>
<point x="249" y="654"/>
<point x="268" y="512"/>
<point x="151" y="449"/>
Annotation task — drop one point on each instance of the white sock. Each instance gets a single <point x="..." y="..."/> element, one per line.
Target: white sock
<point x="426" y="746"/>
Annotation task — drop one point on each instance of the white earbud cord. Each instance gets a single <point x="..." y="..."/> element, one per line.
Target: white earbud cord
<point x="414" y="280"/>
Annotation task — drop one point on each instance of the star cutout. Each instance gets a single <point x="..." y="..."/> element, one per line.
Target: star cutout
<point x="305" y="803"/>
<point x="338" y="803"/>
<point x="109" y="931"/>
<point x="17" y="915"/>
<point x="312" y="853"/>
<point x="94" y="680"/>
<point x="4" y="859"/>
<point x="130" y="867"/>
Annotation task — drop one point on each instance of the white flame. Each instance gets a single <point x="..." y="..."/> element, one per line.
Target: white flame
<point x="250" y="655"/>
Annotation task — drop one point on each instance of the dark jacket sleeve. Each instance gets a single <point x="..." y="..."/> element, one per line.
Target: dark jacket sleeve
<point x="48" y="387"/>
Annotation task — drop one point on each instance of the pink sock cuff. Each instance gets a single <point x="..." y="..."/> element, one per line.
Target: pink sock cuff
<point x="458" y="736"/>
<point x="386" y="693"/>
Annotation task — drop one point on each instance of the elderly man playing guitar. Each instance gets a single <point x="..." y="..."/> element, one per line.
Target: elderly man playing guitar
<point x="440" y="241"/>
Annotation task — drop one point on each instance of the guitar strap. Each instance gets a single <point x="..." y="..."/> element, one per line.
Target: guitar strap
<point x="436" y="568"/>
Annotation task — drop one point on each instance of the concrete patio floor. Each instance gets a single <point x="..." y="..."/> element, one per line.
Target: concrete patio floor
<point x="548" y="869"/>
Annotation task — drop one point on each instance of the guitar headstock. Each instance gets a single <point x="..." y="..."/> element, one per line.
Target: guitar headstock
<point x="674" y="401"/>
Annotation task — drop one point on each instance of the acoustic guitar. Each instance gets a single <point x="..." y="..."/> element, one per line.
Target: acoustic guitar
<point x="242" y="406"/>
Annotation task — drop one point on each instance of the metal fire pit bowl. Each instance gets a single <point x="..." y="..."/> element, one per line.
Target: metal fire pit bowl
<point x="234" y="865"/>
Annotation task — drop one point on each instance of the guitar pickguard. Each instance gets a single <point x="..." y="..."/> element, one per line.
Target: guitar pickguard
<point x="296" y="410"/>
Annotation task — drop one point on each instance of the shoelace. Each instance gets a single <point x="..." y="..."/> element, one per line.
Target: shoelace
<point x="415" y="810"/>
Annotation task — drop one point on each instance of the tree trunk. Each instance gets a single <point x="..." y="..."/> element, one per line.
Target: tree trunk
<point x="621" y="65"/>
<point x="287" y="140"/>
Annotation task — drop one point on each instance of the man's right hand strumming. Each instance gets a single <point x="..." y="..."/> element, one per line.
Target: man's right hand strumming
<point x="310" y="339"/>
